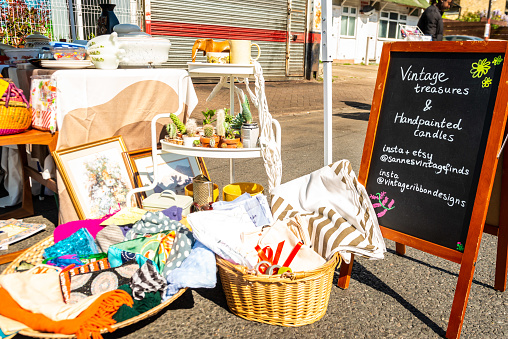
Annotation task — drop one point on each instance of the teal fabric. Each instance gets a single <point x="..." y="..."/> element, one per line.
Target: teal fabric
<point x="81" y="243"/>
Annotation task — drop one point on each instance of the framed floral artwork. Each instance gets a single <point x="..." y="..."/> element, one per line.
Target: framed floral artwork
<point x="174" y="171"/>
<point x="95" y="175"/>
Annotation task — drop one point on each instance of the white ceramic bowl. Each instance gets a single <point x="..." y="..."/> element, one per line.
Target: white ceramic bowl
<point x="109" y="61"/>
<point x="20" y="55"/>
<point x="217" y="57"/>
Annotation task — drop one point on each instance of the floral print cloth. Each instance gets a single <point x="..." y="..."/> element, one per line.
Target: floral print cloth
<point x="155" y="247"/>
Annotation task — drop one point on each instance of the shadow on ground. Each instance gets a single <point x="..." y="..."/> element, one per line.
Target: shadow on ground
<point x="364" y="276"/>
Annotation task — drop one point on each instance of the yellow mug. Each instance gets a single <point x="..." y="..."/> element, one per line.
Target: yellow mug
<point x="240" y="51"/>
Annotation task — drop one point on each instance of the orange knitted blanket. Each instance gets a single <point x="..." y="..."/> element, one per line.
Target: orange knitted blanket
<point x="89" y="323"/>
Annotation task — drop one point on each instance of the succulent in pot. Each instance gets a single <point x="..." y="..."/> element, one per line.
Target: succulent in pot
<point x="210" y="139"/>
<point x="191" y="133"/>
<point x="172" y="136"/>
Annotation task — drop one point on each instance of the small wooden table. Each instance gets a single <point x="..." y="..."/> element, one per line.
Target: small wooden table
<point x="35" y="137"/>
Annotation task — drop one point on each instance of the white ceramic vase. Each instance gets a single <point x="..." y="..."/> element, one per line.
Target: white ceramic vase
<point x="189" y="141"/>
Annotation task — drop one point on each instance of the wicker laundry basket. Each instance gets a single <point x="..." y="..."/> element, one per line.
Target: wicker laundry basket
<point x="33" y="255"/>
<point x="299" y="300"/>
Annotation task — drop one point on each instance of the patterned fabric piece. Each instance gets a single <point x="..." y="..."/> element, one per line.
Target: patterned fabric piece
<point x="92" y="283"/>
<point x="66" y="275"/>
<point x="155" y="247"/>
<point x="108" y="236"/>
<point x="197" y="271"/>
<point x="69" y="259"/>
<point x="150" y="223"/>
<point x="146" y="279"/>
<point x="180" y="251"/>
<point x="80" y="243"/>
<point x="118" y="257"/>
<point x="336" y="210"/>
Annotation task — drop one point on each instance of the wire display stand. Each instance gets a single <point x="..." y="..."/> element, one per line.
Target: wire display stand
<point x="413" y="33"/>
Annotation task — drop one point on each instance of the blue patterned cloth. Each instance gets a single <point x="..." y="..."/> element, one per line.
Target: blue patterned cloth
<point x="197" y="271"/>
<point x="81" y="243"/>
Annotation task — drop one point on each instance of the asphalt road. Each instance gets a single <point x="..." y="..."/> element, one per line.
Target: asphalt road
<point x="400" y="296"/>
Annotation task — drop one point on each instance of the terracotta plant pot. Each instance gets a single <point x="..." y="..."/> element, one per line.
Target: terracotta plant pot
<point x="174" y="141"/>
<point x="205" y="141"/>
<point x="230" y="143"/>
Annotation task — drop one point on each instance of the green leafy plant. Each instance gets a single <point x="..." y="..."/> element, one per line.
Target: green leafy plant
<point x="20" y="18"/>
<point x="470" y="17"/>
<point x="208" y="114"/>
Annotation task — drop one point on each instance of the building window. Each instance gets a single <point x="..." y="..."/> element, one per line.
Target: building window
<point x="389" y="25"/>
<point x="348" y="21"/>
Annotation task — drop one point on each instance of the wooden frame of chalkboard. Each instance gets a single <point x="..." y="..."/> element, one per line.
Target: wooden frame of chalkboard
<point x="430" y="154"/>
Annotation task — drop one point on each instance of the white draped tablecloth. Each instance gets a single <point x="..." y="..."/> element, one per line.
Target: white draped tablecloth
<point x="96" y="104"/>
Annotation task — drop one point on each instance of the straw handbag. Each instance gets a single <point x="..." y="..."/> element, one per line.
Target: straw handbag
<point x="15" y="115"/>
<point x="34" y="254"/>
<point x="291" y="300"/>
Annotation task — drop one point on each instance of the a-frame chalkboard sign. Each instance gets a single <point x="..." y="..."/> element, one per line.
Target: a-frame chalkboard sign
<point x="430" y="154"/>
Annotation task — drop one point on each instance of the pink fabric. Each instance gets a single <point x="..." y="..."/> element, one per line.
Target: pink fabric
<point x="92" y="225"/>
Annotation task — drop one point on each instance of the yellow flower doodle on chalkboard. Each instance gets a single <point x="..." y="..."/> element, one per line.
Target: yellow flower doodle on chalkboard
<point x="486" y="82"/>
<point x="480" y="68"/>
<point x="498" y="60"/>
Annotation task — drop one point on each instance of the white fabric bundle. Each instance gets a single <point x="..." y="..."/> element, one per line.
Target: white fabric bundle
<point x="336" y="209"/>
<point x="221" y="232"/>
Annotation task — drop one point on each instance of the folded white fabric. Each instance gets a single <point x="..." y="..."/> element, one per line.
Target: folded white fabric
<point x="40" y="293"/>
<point x="257" y="207"/>
<point x="220" y="231"/>
<point x="336" y="209"/>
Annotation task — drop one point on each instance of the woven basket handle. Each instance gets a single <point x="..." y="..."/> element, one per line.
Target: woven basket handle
<point x="13" y="92"/>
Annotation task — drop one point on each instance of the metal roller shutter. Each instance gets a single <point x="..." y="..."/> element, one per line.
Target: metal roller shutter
<point x="264" y="22"/>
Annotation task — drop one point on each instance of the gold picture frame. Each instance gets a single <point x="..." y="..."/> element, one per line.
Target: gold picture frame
<point x="95" y="175"/>
<point x="175" y="171"/>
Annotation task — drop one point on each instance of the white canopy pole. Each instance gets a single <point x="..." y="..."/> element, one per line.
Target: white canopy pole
<point x="326" y="57"/>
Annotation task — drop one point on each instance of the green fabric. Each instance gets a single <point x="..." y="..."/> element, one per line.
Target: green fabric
<point x="125" y="312"/>
<point x="411" y="3"/>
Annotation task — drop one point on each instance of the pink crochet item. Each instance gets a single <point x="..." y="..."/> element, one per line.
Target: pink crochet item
<point x="92" y="225"/>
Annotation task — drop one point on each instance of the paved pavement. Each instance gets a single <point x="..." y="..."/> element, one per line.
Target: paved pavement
<point x="399" y="297"/>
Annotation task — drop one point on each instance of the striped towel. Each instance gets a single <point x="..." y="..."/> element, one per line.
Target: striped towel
<point x="335" y="210"/>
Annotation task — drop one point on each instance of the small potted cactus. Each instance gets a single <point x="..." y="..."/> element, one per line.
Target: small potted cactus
<point x="172" y="136"/>
<point x="209" y="139"/>
<point x="191" y="133"/>
<point x="230" y="137"/>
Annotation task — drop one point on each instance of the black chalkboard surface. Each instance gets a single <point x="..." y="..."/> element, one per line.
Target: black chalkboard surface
<point x="431" y="135"/>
